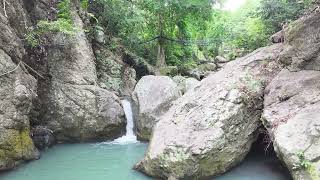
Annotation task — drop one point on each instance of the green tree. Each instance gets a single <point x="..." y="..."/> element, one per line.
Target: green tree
<point x="142" y="20"/>
<point x="276" y="12"/>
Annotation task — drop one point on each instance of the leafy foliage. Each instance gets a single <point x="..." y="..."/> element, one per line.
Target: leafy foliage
<point x="63" y="24"/>
<point x="275" y="12"/>
<point x="308" y="166"/>
<point x="194" y="29"/>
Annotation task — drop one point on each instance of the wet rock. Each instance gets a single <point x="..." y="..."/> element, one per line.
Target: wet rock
<point x="169" y="71"/>
<point x="113" y="73"/>
<point x="129" y="79"/>
<point x="42" y="137"/>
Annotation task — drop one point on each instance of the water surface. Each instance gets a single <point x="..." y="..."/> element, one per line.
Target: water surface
<point x="83" y="162"/>
<point x="114" y="161"/>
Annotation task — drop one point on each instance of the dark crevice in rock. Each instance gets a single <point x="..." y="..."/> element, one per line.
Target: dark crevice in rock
<point x="142" y="69"/>
<point x="263" y="147"/>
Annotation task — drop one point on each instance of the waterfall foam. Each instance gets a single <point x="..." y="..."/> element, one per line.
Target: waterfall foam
<point x="130" y="137"/>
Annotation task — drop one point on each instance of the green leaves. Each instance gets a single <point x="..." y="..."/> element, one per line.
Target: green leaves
<point x="231" y="33"/>
<point x="63" y="24"/>
<point x="307" y="165"/>
<point x="136" y="21"/>
<point x="64" y="9"/>
<point x="276" y="12"/>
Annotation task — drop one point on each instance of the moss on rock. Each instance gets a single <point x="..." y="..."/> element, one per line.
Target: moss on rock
<point x="17" y="146"/>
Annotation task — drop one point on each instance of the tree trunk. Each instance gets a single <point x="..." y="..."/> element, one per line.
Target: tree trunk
<point x="161" y="58"/>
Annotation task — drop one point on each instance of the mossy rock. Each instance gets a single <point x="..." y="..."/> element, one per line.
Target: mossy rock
<point x="169" y="71"/>
<point x="17" y="145"/>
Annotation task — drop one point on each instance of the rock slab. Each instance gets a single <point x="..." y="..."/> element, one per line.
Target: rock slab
<point x="292" y="116"/>
<point x="152" y="97"/>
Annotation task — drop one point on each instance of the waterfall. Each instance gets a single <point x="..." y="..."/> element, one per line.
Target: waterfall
<point x="130" y="137"/>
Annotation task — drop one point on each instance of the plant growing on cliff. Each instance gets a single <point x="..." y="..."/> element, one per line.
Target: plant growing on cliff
<point x="250" y="87"/>
<point x="307" y="165"/>
<point x="63" y="24"/>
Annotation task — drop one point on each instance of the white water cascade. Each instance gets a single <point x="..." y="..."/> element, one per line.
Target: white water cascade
<point x="130" y="137"/>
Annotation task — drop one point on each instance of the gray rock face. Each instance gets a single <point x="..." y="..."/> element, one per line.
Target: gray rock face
<point x="210" y="130"/>
<point x="17" y="89"/>
<point x="292" y="115"/>
<point x="129" y="79"/>
<point x="186" y="84"/>
<point x="76" y="109"/>
<point x="99" y="35"/>
<point x="191" y="84"/>
<point x="11" y="29"/>
<point x="113" y="74"/>
<point x="302" y="44"/>
<point x="152" y="97"/>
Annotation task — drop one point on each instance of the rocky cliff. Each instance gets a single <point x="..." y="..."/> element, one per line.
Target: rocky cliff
<point x="75" y="107"/>
<point x="53" y="87"/>
<point x="17" y="89"/>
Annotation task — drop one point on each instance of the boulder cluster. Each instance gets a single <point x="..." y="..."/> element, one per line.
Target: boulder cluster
<point x="210" y="129"/>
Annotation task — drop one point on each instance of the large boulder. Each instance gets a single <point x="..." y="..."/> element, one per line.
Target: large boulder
<point x="292" y="116"/>
<point x="210" y="130"/>
<point x="17" y="90"/>
<point x="152" y="97"/>
<point x="74" y="107"/>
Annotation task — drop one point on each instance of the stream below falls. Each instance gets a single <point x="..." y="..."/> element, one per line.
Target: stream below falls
<point x="114" y="161"/>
